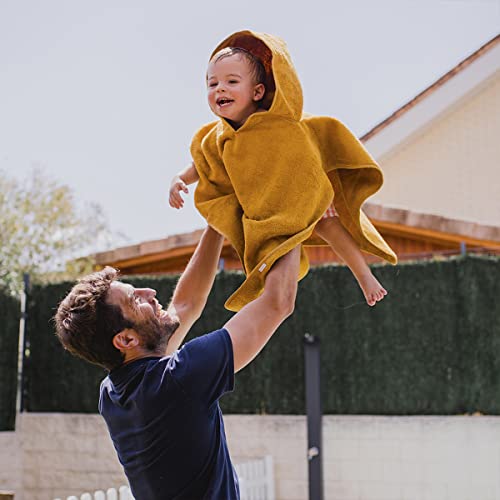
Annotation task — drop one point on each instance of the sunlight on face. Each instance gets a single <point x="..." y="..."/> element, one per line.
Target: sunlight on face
<point x="141" y="307"/>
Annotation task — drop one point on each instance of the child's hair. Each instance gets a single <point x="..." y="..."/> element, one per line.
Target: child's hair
<point x="257" y="68"/>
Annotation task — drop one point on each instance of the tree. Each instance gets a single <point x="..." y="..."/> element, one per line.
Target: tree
<point x="42" y="230"/>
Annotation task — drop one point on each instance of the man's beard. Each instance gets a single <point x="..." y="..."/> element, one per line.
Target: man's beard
<point x="155" y="333"/>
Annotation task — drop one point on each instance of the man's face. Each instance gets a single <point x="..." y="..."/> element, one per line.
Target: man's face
<point x="140" y="307"/>
<point x="231" y="87"/>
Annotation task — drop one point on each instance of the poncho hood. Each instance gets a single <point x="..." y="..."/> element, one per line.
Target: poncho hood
<point x="266" y="185"/>
<point x="283" y="90"/>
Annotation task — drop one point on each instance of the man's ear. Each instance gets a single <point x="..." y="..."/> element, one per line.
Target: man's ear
<point x="126" y="339"/>
<point x="259" y="91"/>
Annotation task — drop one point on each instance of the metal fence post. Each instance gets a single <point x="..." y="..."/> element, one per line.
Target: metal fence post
<point x="23" y="348"/>
<point x="314" y="425"/>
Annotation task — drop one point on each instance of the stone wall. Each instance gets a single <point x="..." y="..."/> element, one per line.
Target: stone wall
<point x="365" y="457"/>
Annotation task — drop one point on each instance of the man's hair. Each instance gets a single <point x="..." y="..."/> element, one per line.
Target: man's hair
<point x="86" y="324"/>
<point x="257" y="68"/>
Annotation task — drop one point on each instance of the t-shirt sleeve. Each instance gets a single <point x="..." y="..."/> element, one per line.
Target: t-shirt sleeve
<point x="204" y="366"/>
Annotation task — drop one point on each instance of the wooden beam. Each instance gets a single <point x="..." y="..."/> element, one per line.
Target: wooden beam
<point x="172" y="253"/>
<point x="431" y="235"/>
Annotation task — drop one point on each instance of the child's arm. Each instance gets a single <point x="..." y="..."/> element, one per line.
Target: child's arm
<point x="180" y="183"/>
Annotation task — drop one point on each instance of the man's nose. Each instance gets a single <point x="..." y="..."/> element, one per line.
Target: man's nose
<point x="147" y="293"/>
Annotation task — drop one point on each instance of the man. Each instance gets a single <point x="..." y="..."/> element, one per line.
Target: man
<point x="161" y="402"/>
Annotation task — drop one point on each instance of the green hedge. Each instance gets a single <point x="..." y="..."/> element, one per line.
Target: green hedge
<point x="9" y="342"/>
<point x="431" y="347"/>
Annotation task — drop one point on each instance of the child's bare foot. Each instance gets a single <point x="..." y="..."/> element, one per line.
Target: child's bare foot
<point x="372" y="289"/>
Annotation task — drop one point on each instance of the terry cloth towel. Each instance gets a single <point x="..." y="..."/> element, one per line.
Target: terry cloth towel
<point x="265" y="185"/>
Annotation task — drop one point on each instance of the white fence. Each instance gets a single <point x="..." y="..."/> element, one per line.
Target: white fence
<point x="256" y="479"/>
<point x="256" y="483"/>
<point x="111" y="494"/>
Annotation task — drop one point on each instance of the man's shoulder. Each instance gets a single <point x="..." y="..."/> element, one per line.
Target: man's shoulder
<point x="142" y="377"/>
<point x="204" y="366"/>
<point x="203" y="345"/>
<point x="146" y="367"/>
<point x="214" y="339"/>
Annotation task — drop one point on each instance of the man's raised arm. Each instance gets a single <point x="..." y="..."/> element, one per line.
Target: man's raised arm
<point x="194" y="285"/>
<point x="252" y="327"/>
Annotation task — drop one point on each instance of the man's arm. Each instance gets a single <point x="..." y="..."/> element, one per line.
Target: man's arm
<point x="194" y="285"/>
<point x="253" y="326"/>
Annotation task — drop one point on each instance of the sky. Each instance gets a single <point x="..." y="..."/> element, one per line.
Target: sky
<point x="105" y="96"/>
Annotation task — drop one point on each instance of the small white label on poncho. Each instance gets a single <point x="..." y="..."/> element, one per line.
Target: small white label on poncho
<point x="262" y="267"/>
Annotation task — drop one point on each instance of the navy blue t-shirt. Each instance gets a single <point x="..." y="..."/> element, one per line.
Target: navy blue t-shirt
<point x="165" y="421"/>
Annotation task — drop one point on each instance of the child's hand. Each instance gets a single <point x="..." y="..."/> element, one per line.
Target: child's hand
<point x="176" y="186"/>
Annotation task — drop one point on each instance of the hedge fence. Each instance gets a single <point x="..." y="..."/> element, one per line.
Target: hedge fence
<point x="431" y="347"/>
<point x="9" y="343"/>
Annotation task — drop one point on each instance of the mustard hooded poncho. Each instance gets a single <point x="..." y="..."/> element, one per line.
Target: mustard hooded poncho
<point x="265" y="185"/>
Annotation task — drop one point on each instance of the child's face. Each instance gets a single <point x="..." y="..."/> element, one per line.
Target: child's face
<point x="232" y="91"/>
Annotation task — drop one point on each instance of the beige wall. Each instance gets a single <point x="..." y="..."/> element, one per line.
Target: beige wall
<point x="10" y="462"/>
<point x="452" y="167"/>
<point x="57" y="455"/>
<point x="365" y="457"/>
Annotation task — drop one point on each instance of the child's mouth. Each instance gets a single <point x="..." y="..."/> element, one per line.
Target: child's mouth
<point x="224" y="102"/>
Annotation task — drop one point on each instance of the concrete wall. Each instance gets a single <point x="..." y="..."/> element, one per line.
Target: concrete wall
<point x="365" y="457"/>
<point x="65" y="454"/>
<point x="379" y="458"/>
<point x="451" y="168"/>
<point x="10" y="462"/>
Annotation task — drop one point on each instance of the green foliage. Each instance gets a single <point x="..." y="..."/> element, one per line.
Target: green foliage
<point x="9" y="341"/>
<point x="42" y="229"/>
<point x="432" y="346"/>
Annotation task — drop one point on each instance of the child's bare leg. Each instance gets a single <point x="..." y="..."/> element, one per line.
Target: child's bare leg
<point x="343" y="244"/>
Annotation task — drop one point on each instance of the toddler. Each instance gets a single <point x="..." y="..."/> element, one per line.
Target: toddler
<point x="237" y="86"/>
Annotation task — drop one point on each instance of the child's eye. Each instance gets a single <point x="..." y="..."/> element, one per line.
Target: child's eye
<point x="211" y="85"/>
<point x="233" y="81"/>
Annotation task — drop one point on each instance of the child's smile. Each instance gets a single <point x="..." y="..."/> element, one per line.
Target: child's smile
<point x="224" y="102"/>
